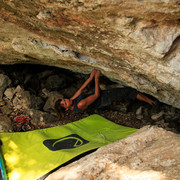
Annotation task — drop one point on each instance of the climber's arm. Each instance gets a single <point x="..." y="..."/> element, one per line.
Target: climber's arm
<point x="84" y="85"/>
<point x="83" y="104"/>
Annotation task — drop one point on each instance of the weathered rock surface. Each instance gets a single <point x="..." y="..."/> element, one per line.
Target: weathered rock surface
<point x="134" y="42"/>
<point x="150" y="153"/>
<point x="4" y="83"/>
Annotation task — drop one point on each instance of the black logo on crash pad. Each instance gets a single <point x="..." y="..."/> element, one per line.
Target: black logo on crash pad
<point x="67" y="142"/>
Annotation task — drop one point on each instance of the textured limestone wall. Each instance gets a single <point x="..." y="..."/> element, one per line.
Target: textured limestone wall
<point x="133" y="42"/>
<point x="151" y="153"/>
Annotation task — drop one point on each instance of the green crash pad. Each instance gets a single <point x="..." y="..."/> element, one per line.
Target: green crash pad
<point x="29" y="155"/>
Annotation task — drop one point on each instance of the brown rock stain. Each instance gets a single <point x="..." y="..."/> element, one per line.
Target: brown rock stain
<point x="79" y="20"/>
<point x="4" y="50"/>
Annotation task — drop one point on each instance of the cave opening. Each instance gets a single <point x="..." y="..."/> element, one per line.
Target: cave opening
<point x="31" y="90"/>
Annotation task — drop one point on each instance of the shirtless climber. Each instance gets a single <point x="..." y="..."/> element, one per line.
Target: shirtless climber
<point x="80" y="102"/>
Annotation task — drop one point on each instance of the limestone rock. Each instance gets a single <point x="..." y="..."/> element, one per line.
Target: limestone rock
<point x="9" y="92"/>
<point x="157" y="116"/>
<point x="150" y="153"/>
<point x="52" y="98"/>
<point x="54" y="82"/>
<point x="4" y="83"/>
<point x="23" y="99"/>
<point x="39" y="117"/>
<point x="133" y="42"/>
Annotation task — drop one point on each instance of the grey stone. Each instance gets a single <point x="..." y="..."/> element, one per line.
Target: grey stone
<point x="44" y="15"/>
<point x="36" y="102"/>
<point x="157" y="116"/>
<point x="41" y="118"/>
<point x="150" y="153"/>
<point x="23" y="99"/>
<point x="52" y="98"/>
<point x="140" y="116"/>
<point x="139" y="111"/>
<point x="9" y="93"/>
<point x="4" y="83"/>
<point x="54" y="82"/>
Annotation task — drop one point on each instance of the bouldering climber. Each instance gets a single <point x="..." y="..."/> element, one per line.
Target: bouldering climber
<point x="97" y="98"/>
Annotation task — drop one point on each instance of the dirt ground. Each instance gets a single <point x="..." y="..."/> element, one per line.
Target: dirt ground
<point x="130" y="118"/>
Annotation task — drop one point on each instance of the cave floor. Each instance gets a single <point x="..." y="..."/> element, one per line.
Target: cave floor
<point x="134" y="114"/>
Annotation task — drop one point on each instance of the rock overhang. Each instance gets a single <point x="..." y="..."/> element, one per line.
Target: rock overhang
<point x="132" y="47"/>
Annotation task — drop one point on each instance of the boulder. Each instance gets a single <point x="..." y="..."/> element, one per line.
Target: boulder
<point x="133" y="42"/>
<point x="4" y="83"/>
<point x="52" y="98"/>
<point x="10" y="92"/>
<point x="150" y="153"/>
<point x="41" y="118"/>
<point x="54" y="82"/>
<point x="24" y="99"/>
